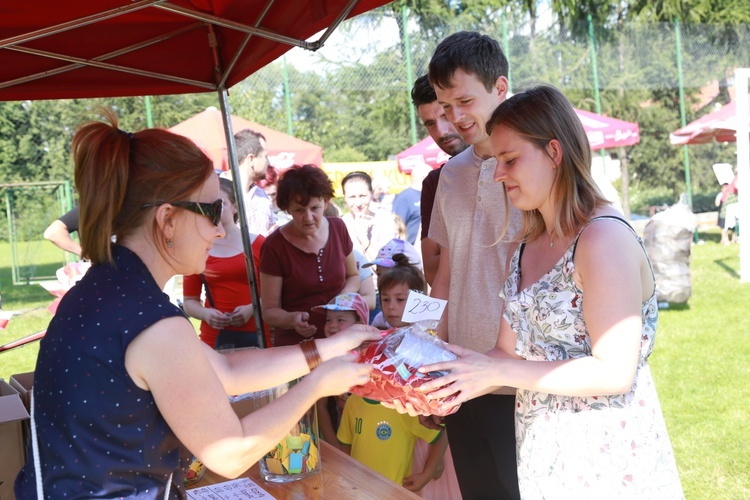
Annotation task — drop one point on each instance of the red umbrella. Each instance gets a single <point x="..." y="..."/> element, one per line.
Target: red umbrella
<point x="425" y="151"/>
<point x="603" y="133"/>
<point x="206" y="129"/>
<point x="55" y="49"/>
<point x="721" y="125"/>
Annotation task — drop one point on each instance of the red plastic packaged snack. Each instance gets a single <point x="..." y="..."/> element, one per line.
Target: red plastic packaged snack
<point x="396" y="359"/>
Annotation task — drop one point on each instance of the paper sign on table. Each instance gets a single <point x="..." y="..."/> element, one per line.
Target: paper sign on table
<point x="239" y="488"/>
<point x="420" y="307"/>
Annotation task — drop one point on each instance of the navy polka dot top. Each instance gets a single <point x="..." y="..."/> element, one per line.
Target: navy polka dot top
<point x="99" y="435"/>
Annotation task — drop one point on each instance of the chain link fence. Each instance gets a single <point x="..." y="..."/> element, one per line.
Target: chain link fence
<point x="352" y="96"/>
<point x="354" y="93"/>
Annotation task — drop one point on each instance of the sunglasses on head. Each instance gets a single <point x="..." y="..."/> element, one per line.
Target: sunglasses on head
<point x="210" y="210"/>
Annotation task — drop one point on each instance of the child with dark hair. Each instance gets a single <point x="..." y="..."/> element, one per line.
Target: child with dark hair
<point x="394" y="284"/>
<point x="397" y="452"/>
<point x="342" y="312"/>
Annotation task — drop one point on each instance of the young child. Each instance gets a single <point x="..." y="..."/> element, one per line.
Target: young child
<point x="342" y="311"/>
<point x="382" y="438"/>
<point x="385" y="260"/>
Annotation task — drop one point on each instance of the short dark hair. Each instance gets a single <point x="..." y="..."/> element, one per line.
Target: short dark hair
<point x="248" y="143"/>
<point x="471" y="52"/>
<point x="422" y="92"/>
<point x="357" y="175"/>
<point x="403" y="272"/>
<point x="300" y="184"/>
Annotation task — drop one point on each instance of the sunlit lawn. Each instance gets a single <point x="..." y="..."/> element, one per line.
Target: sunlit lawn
<point x="700" y="364"/>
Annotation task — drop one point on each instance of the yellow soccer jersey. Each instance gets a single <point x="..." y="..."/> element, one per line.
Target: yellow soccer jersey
<point x="382" y="438"/>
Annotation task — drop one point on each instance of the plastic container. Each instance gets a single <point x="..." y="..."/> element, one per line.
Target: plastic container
<point x="297" y="456"/>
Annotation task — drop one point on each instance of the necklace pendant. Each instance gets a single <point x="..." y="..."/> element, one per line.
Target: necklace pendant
<point x="551" y="244"/>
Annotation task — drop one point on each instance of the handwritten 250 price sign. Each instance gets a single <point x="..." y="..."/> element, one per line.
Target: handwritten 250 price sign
<point x="420" y="307"/>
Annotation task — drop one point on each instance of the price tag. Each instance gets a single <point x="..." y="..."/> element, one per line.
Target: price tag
<point x="420" y="307"/>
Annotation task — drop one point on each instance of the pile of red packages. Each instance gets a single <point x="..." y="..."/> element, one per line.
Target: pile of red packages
<point x="396" y="359"/>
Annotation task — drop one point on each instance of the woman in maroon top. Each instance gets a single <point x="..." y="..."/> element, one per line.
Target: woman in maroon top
<point x="307" y="261"/>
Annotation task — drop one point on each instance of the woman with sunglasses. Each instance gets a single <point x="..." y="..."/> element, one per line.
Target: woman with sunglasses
<point x="123" y="386"/>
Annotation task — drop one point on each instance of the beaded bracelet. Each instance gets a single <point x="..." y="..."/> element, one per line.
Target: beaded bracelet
<point x="310" y="350"/>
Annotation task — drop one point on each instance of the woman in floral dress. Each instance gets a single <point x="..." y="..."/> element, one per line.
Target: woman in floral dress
<point x="579" y="323"/>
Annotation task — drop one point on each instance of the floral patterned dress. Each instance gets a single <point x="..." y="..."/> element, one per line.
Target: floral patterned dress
<point x="593" y="447"/>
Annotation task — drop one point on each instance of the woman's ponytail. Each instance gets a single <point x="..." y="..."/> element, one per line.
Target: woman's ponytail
<point x="101" y="154"/>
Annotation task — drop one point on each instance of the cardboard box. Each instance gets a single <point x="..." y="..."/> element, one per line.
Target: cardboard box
<point x="23" y="382"/>
<point x="13" y="415"/>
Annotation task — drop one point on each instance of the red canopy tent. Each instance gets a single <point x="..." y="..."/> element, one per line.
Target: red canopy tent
<point x="58" y="49"/>
<point x="55" y="49"/>
<point x="603" y="133"/>
<point x="206" y="129"/>
<point x="720" y="125"/>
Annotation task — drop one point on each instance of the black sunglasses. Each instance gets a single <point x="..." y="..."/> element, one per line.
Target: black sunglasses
<point x="210" y="210"/>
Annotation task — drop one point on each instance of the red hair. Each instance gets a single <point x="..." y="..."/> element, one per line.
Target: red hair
<point x="116" y="173"/>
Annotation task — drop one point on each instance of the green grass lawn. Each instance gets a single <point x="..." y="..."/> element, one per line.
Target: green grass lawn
<point x="701" y="368"/>
<point x="700" y="365"/>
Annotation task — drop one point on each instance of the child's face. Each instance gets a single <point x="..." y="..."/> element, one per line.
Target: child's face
<point x="339" y="320"/>
<point x="393" y="302"/>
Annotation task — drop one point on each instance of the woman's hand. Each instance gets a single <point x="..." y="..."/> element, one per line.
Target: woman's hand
<point x="241" y="315"/>
<point x="215" y="319"/>
<point x="302" y="325"/>
<point x="338" y="375"/>
<point x="353" y="337"/>
<point x="471" y="375"/>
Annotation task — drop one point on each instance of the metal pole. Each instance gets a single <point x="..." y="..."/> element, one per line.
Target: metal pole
<point x="240" y="196"/>
<point x="68" y="197"/>
<point x="594" y="72"/>
<point x="683" y="121"/>
<point x="595" y="78"/>
<point x="409" y="74"/>
<point x="11" y="233"/>
<point x="506" y="48"/>
<point x="287" y="98"/>
<point x="149" y="115"/>
<point x="741" y="76"/>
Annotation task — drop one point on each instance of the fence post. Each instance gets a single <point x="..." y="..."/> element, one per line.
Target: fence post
<point x="409" y="75"/>
<point x="149" y="114"/>
<point x="287" y="98"/>
<point x="594" y="73"/>
<point x="506" y="48"/>
<point x="683" y="122"/>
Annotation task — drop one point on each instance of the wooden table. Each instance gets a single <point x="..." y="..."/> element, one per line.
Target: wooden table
<point x="340" y="477"/>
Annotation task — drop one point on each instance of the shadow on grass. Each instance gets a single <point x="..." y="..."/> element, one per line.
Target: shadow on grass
<point x="710" y="237"/>
<point x="729" y="270"/>
<point x="678" y="307"/>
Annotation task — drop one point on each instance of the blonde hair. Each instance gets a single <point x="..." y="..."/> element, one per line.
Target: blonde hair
<point x="540" y="115"/>
<point x="116" y="173"/>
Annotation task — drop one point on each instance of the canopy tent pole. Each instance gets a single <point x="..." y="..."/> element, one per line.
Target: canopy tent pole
<point x="239" y="189"/>
<point x="240" y="197"/>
